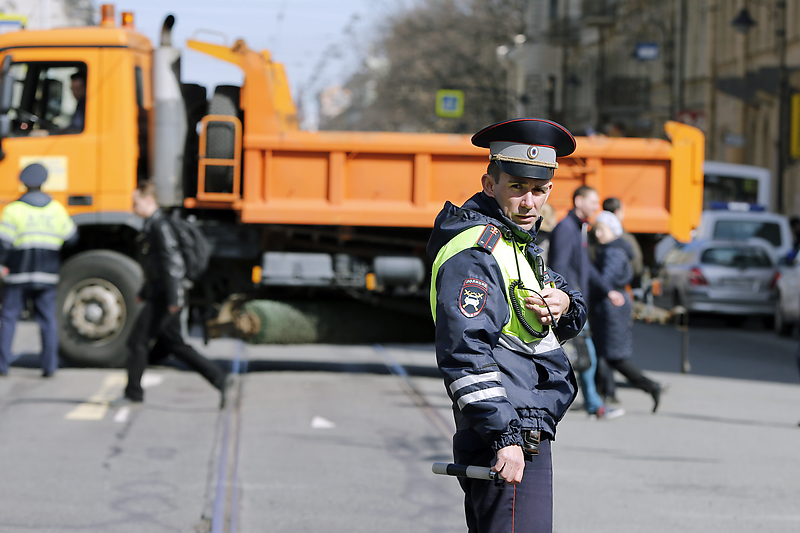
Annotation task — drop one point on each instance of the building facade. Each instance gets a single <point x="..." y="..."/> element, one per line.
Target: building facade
<point x="624" y="67"/>
<point x="44" y="14"/>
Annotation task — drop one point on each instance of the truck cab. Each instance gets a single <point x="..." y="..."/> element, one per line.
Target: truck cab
<point x="94" y="146"/>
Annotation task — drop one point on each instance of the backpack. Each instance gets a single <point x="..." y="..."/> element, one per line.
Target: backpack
<point x="195" y="248"/>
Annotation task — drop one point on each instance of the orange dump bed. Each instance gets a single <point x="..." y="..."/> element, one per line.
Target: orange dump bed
<point x="402" y="180"/>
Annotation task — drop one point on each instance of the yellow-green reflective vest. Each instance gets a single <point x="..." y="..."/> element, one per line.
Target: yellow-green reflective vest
<point x="26" y="226"/>
<point x="503" y="253"/>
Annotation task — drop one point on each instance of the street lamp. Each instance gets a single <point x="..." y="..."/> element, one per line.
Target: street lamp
<point x="515" y="79"/>
<point x="743" y="23"/>
<point x="602" y="22"/>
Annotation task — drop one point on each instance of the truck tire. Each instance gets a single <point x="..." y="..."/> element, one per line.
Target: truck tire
<point x="220" y="141"/>
<point x="221" y="138"/>
<point x="97" y="307"/>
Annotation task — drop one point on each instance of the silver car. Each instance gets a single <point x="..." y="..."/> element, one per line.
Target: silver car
<point x="723" y="277"/>
<point x="787" y="308"/>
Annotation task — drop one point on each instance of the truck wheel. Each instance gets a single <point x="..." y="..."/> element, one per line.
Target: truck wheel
<point x="221" y="139"/>
<point x="97" y="307"/>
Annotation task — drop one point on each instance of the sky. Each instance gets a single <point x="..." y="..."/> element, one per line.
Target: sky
<point x="319" y="41"/>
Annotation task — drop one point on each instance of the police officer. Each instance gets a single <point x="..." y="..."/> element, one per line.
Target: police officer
<point x="32" y="231"/>
<point x="500" y="315"/>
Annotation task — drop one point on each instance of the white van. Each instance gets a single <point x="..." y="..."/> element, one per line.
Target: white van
<point x="728" y="182"/>
<point x="740" y="222"/>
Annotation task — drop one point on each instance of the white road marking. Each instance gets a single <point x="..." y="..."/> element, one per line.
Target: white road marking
<point x="151" y="380"/>
<point x="96" y="405"/>
<point x="122" y="415"/>
<point x="321" y="423"/>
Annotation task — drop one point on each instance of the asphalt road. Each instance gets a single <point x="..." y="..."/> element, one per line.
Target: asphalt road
<point x="341" y="439"/>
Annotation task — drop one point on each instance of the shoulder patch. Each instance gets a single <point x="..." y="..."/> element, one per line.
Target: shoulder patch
<point x="472" y="297"/>
<point x="489" y="238"/>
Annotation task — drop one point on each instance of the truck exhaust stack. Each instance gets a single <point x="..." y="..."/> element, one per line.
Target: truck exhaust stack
<point x="169" y="139"/>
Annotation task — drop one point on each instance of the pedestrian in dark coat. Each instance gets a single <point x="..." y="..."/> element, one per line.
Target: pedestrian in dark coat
<point x="612" y="325"/>
<point x="569" y="256"/>
<point x="164" y="295"/>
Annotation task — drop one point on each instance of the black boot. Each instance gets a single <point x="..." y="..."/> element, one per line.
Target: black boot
<point x="655" y="392"/>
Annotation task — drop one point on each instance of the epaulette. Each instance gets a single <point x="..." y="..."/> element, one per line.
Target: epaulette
<point x="489" y="238"/>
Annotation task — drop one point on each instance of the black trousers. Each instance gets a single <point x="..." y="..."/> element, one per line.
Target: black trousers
<point x="156" y="325"/>
<point x="493" y="507"/>
<point x="604" y="378"/>
<point x="632" y="374"/>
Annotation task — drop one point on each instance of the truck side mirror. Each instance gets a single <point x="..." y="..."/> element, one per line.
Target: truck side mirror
<point x="6" y="93"/>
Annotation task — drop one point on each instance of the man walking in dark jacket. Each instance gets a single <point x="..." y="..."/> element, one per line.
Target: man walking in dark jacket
<point x="32" y="231"/>
<point x="164" y="296"/>
<point x="569" y="256"/>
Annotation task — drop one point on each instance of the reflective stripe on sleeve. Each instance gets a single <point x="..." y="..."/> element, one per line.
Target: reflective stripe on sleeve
<point x="471" y="379"/>
<point x="39" y="245"/>
<point x="32" y="277"/>
<point x="38" y="240"/>
<point x="483" y="394"/>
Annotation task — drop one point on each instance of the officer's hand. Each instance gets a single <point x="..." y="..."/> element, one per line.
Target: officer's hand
<point x="616" y="298"/>
<point x="174" y="309"/>
<point x="510" y="463"/>
<point x="556" y="299"/>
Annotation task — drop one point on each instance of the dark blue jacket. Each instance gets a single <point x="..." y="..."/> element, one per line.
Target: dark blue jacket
<point x="498" y="386"/>
<point x="611" y="325"/>
<point x="569" y="257"/>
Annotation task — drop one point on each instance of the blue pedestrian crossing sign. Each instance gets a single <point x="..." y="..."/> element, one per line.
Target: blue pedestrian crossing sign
<point x="449" y="103"/>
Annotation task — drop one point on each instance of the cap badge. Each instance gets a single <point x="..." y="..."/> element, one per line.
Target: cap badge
<point x="533" y="152"/>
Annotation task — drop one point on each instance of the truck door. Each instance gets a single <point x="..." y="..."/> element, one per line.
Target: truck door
<point x="53" y="121"/>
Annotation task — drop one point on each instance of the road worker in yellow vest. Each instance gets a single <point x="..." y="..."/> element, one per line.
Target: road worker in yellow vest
<point x="500" y="317"/>
<point x="32" y="231"/>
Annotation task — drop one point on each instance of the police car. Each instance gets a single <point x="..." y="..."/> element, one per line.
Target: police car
<point x="736" y="221"/>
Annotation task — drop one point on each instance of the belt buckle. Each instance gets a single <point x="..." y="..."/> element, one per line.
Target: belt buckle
<point x="530" y="441"/>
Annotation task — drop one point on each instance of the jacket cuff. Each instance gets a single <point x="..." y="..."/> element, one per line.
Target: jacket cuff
<point x="572" y="310"/>
<point x="510" y="438"/>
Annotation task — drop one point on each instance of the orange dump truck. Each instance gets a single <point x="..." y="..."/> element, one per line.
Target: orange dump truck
<point x="283" y="208"/>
